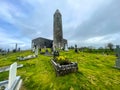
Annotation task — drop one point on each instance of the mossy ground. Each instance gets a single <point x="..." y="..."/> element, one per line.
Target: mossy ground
<point x="96" y="72"/>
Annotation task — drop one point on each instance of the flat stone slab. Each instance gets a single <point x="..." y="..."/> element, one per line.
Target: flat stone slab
<point x="7" y="68"/>
<point x="27" y="57"/>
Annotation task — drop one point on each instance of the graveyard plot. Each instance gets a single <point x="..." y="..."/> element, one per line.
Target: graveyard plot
<point x="95" y="71"/>
<point x="63" y="65"/>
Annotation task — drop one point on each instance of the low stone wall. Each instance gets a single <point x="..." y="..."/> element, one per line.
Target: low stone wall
<point x="64" y="69"/>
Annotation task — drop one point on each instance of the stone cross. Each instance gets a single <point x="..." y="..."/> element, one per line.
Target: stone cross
<point x="12" y="75"/>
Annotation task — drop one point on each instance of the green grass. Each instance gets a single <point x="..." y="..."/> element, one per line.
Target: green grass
<point x="96" y="72"/>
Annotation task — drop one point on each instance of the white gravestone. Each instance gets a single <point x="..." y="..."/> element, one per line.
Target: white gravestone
<point x="66" y="47"/>
<point x="12" y="75"/>
<point x="36" y="51"/>
<point x="14" y="82"/>
<point x="33" y="48"/>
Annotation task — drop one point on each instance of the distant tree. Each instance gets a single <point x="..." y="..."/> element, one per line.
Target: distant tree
<point x="14" y="50"/>
<point x="100" y="48"/>
<point x="72" y="47"/>
<point x="110" y="46"/>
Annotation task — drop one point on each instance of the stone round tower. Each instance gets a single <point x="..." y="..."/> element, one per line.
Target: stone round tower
<point x="57" y="32"/>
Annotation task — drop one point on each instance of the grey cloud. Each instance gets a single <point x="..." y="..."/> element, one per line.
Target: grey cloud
<point x="103" y="22"/>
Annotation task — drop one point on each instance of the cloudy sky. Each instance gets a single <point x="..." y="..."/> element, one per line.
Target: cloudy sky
<point x="85" y="22"/>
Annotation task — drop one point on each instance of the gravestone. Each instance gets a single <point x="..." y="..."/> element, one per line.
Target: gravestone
<point x="76" y="48"/>
<point x="46" y="50"/>
<point x="44" y="47"/>
<point x="14" y="82"/>
<point x="55" y="54"/>
<point x="36" y="51"/>
<point x="3" y="52"/>
<point x="8" y="51"/>
<point x="47" y="53"/>
<point x="12" y="74"/>
<point x="40" y="49"/>
<point x="117" y="50"/>
<point x="18" y="49"/>
<point x="66" y="47"/>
